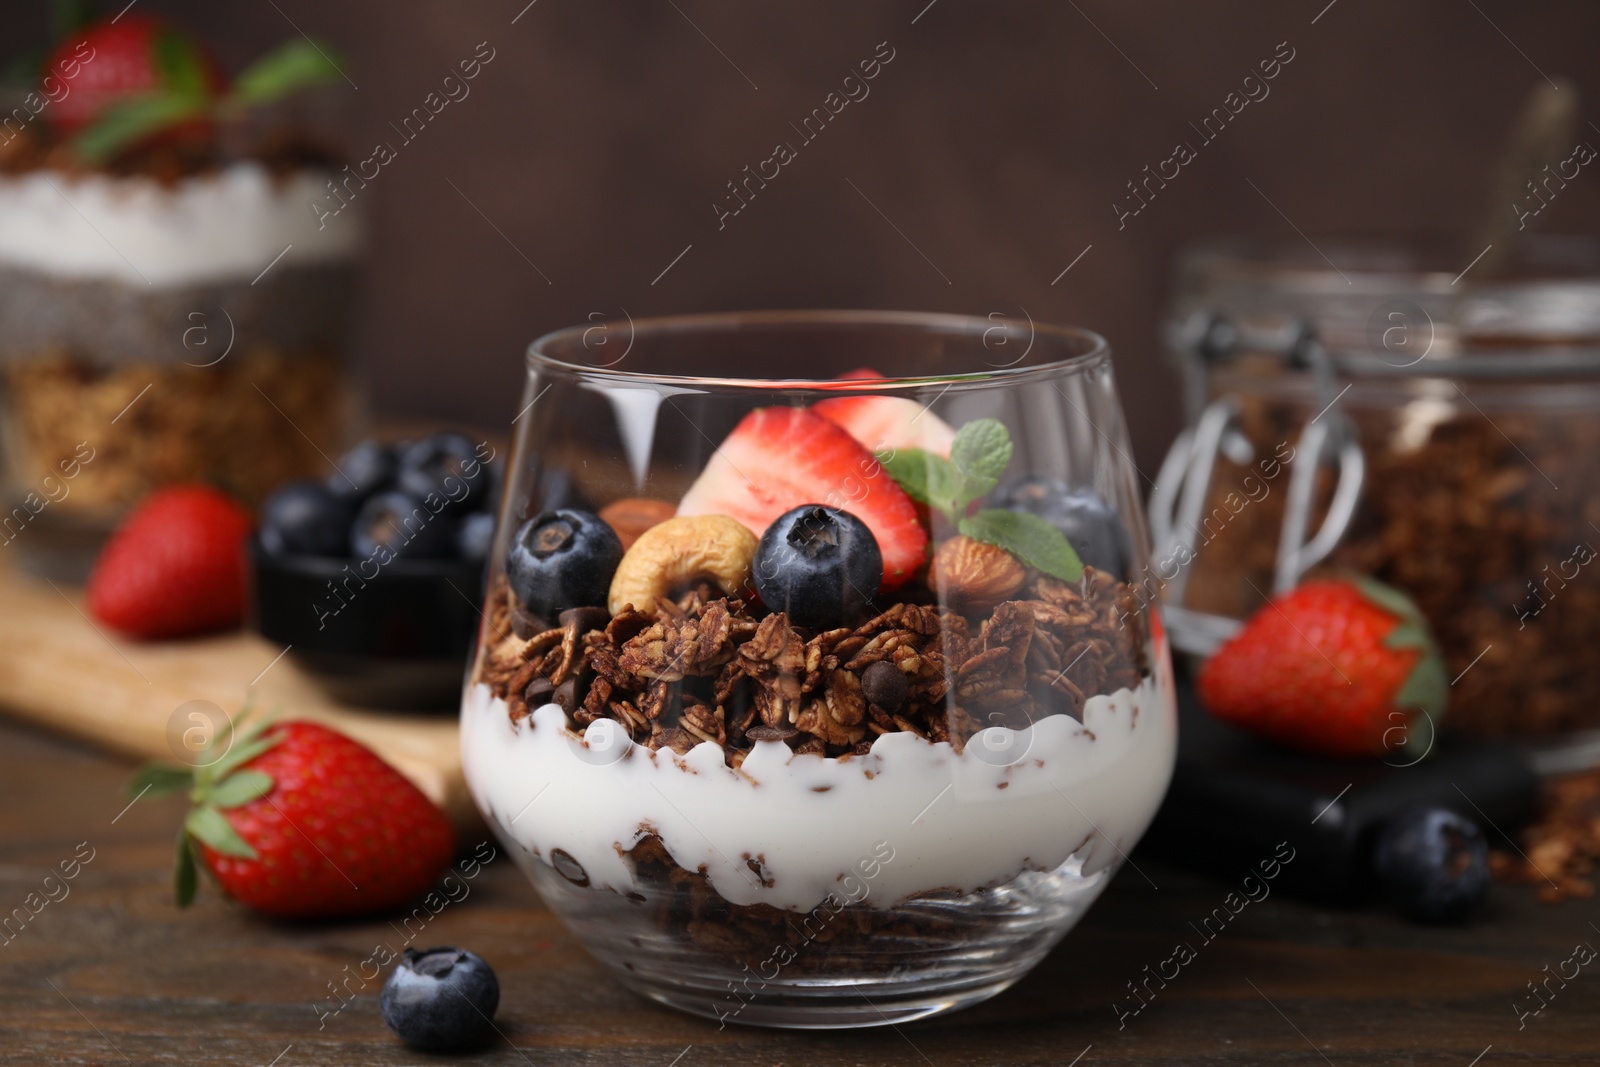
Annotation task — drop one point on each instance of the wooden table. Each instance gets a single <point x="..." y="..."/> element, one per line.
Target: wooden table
<point x="112" y="974"/>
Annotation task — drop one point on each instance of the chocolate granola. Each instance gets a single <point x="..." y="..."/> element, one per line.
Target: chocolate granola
<point x="1465" y="516"/>
<point x="708" y="668"/>
<point x="1560" y="852"/>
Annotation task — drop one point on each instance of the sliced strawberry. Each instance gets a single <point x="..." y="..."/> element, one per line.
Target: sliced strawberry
<point x="888" y="422"/>
<point x="779" y="458"/>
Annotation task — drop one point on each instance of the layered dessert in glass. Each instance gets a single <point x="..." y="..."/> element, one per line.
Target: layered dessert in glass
<point x="818" y="701"/>
<point x="171" y="309"/>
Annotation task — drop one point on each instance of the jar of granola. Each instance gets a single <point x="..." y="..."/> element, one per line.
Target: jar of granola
<point x="1376" y="407"/>
<point x="811" y="691"/>
<point x="171" y="308"/>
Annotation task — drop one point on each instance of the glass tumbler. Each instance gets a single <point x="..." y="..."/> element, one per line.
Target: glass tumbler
<point x="810" y="690"/>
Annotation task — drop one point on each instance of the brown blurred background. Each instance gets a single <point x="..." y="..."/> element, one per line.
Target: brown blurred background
<point x="996" y="141"/>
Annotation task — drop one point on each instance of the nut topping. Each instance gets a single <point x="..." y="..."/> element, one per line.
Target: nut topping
<point x="672" y="555"/>
<point x="972" y="577"/>
<point x="633" y="515"/>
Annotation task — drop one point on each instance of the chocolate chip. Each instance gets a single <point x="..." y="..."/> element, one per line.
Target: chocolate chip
<point x="526" y="624"/>
<point x="538" y="693"/>
<point x="586" y="619"/>
<point x="566" y="694"/>
<point x="883" y="684"/>
<point x="569" y="868"/>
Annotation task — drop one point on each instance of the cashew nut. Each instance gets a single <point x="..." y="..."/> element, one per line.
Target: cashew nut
<point x="674" y="553"/>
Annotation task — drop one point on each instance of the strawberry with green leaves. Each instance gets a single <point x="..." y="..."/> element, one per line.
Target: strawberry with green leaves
<point x="298" y="821"/>
<point x="135" y="80"/>
<point x="1340" y="667"/>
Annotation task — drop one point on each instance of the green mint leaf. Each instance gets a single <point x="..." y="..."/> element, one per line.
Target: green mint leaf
<point x="982" y="450"/>
<point x="158" y="779"/>
<point x="128" y="122"/>
<point x="295" y="65"/>
<point x="926" y="478"/>
<point x="209" y="826"/>
<point x="969" y="487"/>
<point x="1029" y="538"/>
<point x="184" y="874"/>
<point x="240" y="788"/>
<point x="183" y="71"/>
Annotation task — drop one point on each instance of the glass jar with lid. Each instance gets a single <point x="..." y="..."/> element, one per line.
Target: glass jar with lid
<point x="1370" y="406"/>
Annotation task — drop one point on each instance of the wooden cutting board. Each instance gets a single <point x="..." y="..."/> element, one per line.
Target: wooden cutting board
<point x="65" y="673"/>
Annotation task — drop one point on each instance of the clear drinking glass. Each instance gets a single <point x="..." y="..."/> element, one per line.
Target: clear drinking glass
<point x="891" y="799"/>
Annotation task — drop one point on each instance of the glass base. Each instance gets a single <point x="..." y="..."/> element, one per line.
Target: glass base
<point x="679" y="944"/>
<point x="845" y="1008"/>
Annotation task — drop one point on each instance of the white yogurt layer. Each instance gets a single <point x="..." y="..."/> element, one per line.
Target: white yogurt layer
<point x="1012" y="801"/>
<point x="216" y="227"/>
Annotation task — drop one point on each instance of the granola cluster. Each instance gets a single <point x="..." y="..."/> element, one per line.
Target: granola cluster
<point x="189" y="424"/>
<point x="707" y="668"/>
<point x="1560" y="852"/>
<point x="855" y="934"/>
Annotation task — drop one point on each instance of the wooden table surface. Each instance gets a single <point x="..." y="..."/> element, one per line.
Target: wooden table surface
<point x="112" y="974"/>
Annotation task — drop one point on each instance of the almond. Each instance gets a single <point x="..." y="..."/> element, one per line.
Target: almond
<point x="633" y="515"/>
<point x="972" y="576"/>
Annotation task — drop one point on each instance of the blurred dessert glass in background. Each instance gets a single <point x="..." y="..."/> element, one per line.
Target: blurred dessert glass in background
<point x="171" y="308"/>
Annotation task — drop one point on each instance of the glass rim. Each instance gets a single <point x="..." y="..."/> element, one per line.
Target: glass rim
<point x="1098" y="349"/>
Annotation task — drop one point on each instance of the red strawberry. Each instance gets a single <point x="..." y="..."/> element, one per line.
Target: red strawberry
<point x="298" y="821"/>
<point x="888" y="423"/>
<point x="118" y="59"/>
<point x="1343" y="668"/>
<point x="175" y="566"/>
<point x="779" y="458"/>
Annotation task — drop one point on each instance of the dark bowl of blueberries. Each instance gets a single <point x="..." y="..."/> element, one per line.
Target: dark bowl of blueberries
<point x="372" y="577"/>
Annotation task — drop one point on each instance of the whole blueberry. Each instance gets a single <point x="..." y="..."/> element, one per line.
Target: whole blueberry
<point x="440" y="999"/>
<point x="1434" y="863"/>
<point x="1088" y="522"/>
<point x="819" y="564"/>
<point x="475" y="536"/>
<point x="305" y="519"/>
<point x="403" y="525"/>
<point x="367" y="468"/>
<point x="447" y="464"/>
<point x="563" y="559"/>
